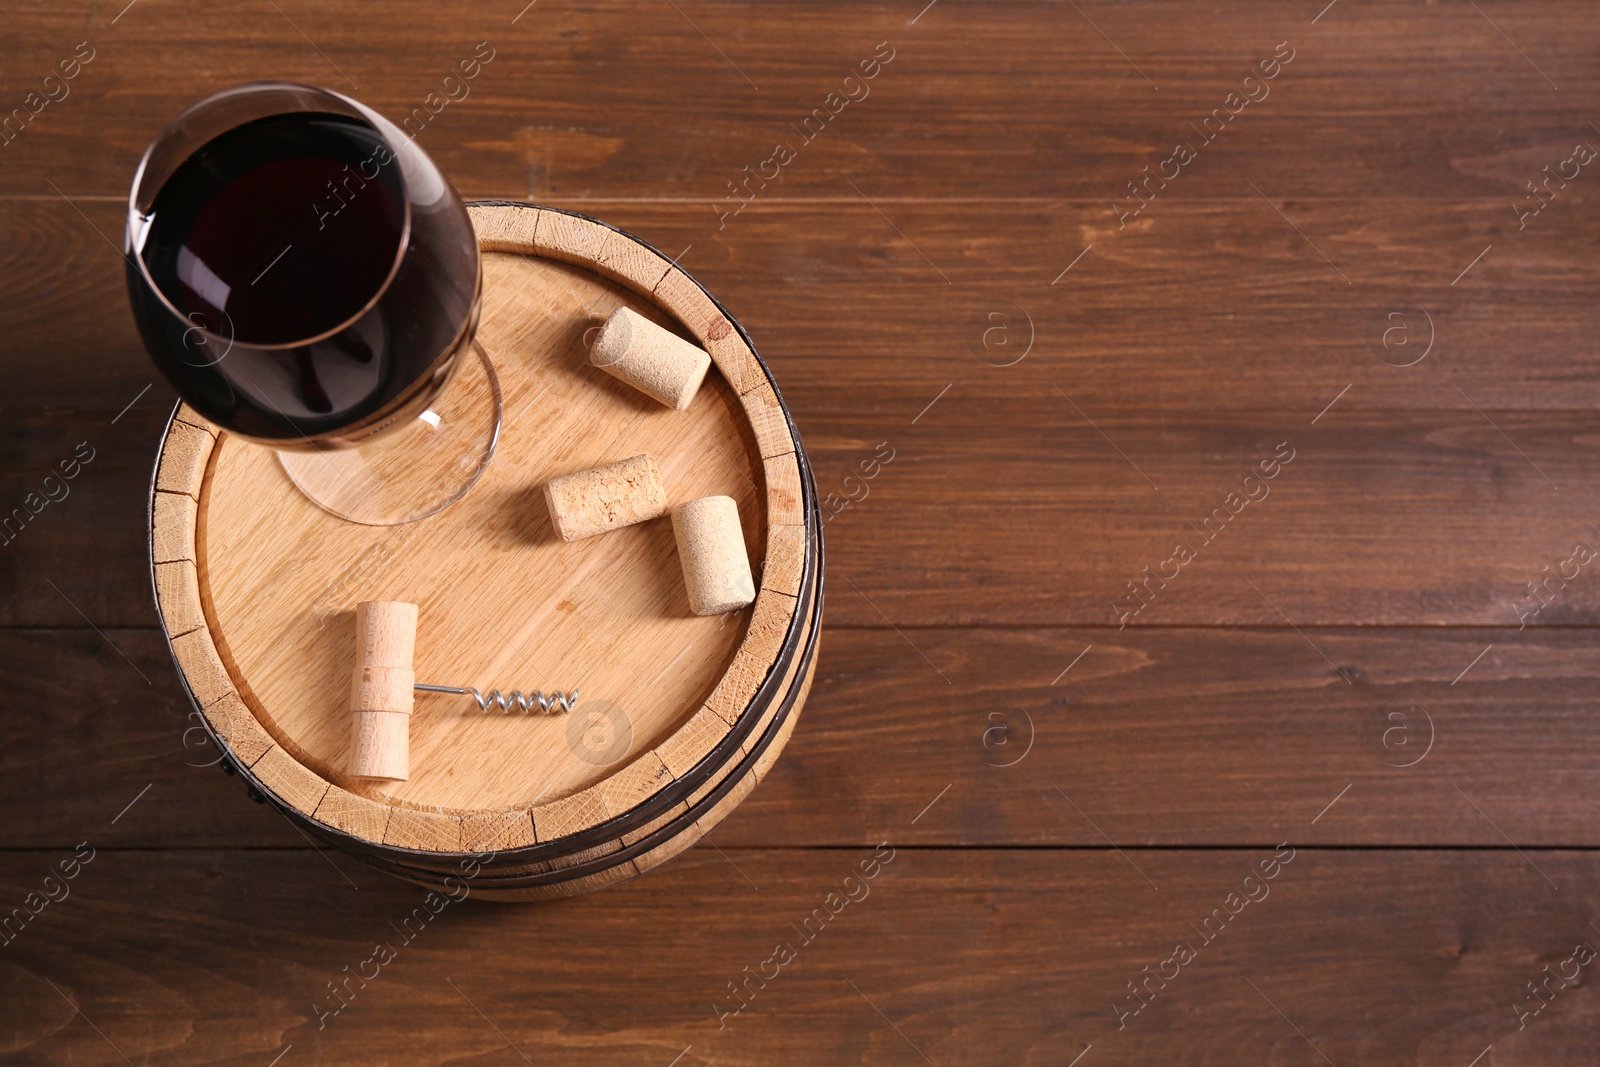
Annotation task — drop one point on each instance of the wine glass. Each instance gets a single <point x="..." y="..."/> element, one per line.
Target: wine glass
<point x="307" y="279"/>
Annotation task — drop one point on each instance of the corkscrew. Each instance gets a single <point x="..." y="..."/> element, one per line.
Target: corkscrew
<point x="504" y="701"/>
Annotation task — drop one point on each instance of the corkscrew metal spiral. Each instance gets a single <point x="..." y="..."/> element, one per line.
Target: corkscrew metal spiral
<point x="525" y="701"/>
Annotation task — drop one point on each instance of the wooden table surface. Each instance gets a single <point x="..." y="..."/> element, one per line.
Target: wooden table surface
<point x="1360" y="258"/>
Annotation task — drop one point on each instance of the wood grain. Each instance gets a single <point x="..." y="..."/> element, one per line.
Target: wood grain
<point x="1166" y="737"/>
<point x="218" y="642"/>
<point x="281" y="595"/>
<point x="1251" y="317"/>
<point x="1388" y="518"/>
<point x="1015" y="956"/>
<point x="1368" y="201"/>
<point x="938" y="123"/>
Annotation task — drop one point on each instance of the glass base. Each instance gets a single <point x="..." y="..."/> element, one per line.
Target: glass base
<point x="412" y="471"/>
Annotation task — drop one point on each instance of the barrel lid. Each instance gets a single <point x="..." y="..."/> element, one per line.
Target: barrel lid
<point x="257" y="586"/>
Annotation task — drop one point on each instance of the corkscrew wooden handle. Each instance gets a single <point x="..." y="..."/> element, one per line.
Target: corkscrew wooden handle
<point x="381" y="689"/>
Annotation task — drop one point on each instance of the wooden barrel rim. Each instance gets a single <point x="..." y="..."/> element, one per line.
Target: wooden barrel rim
<point x="178" y="486"/>
<point x="594" y="872"/>
<point x="683" y="831"/>
<point x="701" y="814"/>
<point x="772" y="724"/>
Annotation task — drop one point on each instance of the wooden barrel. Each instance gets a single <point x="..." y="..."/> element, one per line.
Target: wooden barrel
<point x="680" y="715"/>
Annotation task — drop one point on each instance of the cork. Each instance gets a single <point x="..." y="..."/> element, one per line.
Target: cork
<point x="716" y="568"/>
<point x="381" y="690"/>
<point x="654" y="361"/>
<point x="605" y="498"/>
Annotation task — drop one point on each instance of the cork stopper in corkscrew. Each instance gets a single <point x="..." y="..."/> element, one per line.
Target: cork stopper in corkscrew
<point x="381" y="690"/>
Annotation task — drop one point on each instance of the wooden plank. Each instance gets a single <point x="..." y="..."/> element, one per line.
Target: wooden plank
<point x="1170" y="737"/>
<point x="692" y="743"/>
<point x="182" y="466"/>
<point x="238" y="729"/>
<point x="189" y="416"/>
<point x="935" y="119"/>
<point x="572" y="239"/>
<point x="785" y="559"/>
<point x="427" y="830"/>
<point x="768" y="757"/>
<point x="290" y="781"/>
<point x="355" y="815"/>
<point x="172" y="528"/>
<point x="767" y="418"/>
<point x="1341" y="667"/>
<point x="497" y="830"/>
<point x="1394" y="503"/>
<point x="963" y="957"/>
<point x="178" y="596"/>
<point x="757" y="655"/>
<point x="785" y="506"/>
<point x="588" y="883"/>
<point x="506" y="231"/>
<point x="1251" y="316"/>
<point x="201" y="665"/>
<point x="1085" y="521"/>
<point x="1162" y="737"/>
<point x="91" y="540"/>
<point x="89" y="731"/>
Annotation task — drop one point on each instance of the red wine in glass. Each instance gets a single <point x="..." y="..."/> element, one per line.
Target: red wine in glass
<point x="305" y="278"/>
